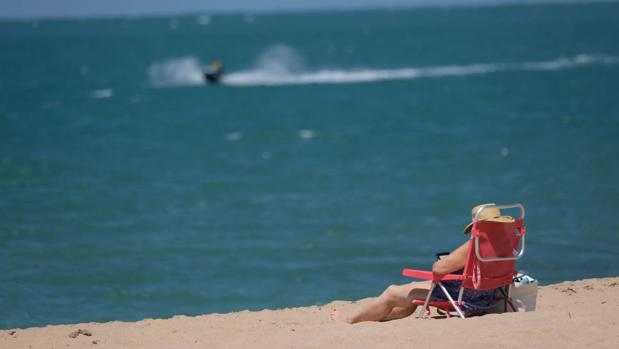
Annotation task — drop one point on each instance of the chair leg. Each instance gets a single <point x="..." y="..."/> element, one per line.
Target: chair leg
<point x="511" y="305"/>
<point x="451" y="300"/>
<point x="425" y="304"/>
<point x="505" y="298"/>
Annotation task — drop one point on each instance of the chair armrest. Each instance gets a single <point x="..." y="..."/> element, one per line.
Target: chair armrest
<point x="428" y="275"/>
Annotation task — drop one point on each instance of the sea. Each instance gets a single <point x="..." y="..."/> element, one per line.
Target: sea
<point x="339" y="148"/>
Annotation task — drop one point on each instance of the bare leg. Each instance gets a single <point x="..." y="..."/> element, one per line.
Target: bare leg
<point x="400" y="313"/>
<point x="382" y="308"/>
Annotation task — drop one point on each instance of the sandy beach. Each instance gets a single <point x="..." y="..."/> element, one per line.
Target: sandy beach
<point x="573" y="314"/>
<point x="224" y="174"/>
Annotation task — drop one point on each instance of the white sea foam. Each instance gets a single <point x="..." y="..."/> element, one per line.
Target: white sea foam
<point x="306" y="134"/>
<point x="203" y="19"/>
<point x="263" y="74"/>
<point x="104" y="93"/>
<point x="281" y="65"/>
<point x="184" y="71"/>
<point x="234" y="136"/>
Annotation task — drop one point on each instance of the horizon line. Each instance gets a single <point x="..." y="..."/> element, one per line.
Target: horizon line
<point x="300" y="10"/>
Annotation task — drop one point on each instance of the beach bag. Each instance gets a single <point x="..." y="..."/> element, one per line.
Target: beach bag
<point x="523" y="295"/>
<point x="524" y="292"/>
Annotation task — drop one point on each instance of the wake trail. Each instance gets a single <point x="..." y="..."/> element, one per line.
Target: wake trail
<point x="280" y="65"/>
<point x="261" y="77"/>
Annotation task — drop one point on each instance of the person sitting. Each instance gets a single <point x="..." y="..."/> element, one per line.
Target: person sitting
<point x="396" y="300"/>
<point x="216" y="69"/>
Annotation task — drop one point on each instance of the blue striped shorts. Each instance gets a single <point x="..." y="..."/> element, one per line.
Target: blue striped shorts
<point x="474" y="302"/>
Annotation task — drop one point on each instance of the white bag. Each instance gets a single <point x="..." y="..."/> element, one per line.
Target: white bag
<point x="524" y="293"/>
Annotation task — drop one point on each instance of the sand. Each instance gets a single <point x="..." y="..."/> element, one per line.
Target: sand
<point x="574" y="314"/>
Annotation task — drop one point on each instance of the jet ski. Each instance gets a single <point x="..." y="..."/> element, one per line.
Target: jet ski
<point x="214" y="73"/>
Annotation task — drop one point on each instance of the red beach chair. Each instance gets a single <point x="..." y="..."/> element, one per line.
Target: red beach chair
<point x="490" y="264"/>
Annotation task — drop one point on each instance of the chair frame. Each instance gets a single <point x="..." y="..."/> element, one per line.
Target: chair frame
<point x="436" y="279"/>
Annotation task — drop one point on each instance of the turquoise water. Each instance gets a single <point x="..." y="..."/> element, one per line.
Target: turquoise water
<point x="340" y="148"/>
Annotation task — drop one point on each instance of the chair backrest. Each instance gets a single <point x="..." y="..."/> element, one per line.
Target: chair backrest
<point x="493" y="251"/>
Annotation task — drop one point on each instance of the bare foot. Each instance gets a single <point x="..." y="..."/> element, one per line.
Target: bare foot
<point x="339" y="316"/>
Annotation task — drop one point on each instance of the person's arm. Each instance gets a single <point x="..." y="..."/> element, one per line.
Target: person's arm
<point x="453" y="262"/>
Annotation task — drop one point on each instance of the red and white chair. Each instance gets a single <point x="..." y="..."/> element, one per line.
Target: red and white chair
<point x="495" y="246"/>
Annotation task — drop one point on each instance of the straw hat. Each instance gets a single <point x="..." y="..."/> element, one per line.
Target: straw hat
<point x="491" y="213"/>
